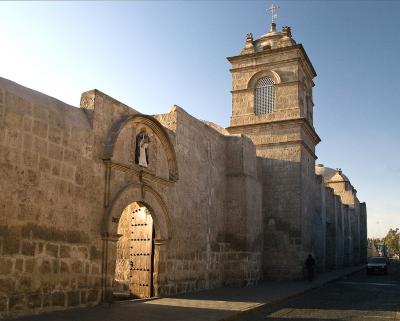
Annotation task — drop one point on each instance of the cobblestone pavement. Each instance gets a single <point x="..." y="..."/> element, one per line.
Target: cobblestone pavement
<point x="210" y="305"/>
<point x="359" y="297"/>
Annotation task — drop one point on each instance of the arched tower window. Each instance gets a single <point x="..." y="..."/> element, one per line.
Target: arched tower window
<point x="264" y="96"/>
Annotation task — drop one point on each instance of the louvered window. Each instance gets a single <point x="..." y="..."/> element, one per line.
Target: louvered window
<point x="264" y="96"/>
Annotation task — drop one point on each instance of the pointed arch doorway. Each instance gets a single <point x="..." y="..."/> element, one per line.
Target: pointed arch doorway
<point x="134" y="266"/>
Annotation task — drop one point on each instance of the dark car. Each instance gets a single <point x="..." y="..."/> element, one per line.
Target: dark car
<point x="377" y="264"/>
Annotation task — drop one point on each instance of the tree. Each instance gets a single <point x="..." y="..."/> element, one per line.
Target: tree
<point x="375" y="241"/>
<point x="392" y="241"/>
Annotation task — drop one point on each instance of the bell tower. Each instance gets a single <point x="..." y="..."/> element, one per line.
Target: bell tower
<point x="272" y="82"/>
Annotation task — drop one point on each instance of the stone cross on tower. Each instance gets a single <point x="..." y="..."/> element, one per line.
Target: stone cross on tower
<point x="274" y="14"/>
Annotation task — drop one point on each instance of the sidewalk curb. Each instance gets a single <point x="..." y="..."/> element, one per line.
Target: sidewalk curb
<point x="261" y="306"/>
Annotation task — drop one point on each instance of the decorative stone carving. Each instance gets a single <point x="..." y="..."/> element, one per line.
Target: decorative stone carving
<point x="287" y="31"/>
<point x="142" y="148"/>
<point x="249" y="44"/>
<point x="249" y="38"/>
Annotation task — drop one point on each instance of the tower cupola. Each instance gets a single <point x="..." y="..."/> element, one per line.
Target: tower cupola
<point x="272" y="80"/>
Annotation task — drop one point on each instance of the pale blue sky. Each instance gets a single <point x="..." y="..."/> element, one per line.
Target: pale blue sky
<point x="151" y="55"/>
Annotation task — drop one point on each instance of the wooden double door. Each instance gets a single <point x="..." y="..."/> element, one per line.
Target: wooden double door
<point x="141" y="253"/>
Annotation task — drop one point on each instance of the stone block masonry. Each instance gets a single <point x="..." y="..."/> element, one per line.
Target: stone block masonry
<point x="49" y="259"/>
<point x="45" y="269"/>
<point x="214" y="269"/>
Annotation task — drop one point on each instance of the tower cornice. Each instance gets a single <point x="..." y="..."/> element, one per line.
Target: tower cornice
<point x="247" y="56"/>
<point x="289" y="122"/>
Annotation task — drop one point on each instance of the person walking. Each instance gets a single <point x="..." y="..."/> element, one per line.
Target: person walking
<point x="310" y="265"/>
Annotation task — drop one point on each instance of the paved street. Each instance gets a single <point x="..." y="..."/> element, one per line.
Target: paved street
<point x="358" y="297"/>
<point x="210" y="305"/>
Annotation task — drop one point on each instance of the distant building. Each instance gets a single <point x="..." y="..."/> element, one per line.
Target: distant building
<point x="372" y="249"/>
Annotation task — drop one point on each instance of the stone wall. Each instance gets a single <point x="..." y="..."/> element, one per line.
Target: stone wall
<point x="363" y="233"/>
<point x="243" y="220"/>
<point x="62" y="198"/>
<point x="282" y="193"/>
<point x="351" y="226"/>
<point x="339" y="231"/>
<point x="50" y="249"/>
<point x="347" y="246"/>
<point x="318" y="224"/>
<point x="219" y="217"/>
<point x="47" y="270"/>
<point x="193" y="271"/>
<point x="312" y="223"/>
<point x="330" y="229"/>
<point x="355" y="230"/>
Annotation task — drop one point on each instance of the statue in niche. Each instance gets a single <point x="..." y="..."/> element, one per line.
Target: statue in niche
<point x="142" y="148"/>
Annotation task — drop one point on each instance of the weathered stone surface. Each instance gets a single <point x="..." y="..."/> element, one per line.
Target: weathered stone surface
<point x="39" y="129"/>
<point x="27" y="124"/>
<point x="77" y="267"/>
<point x="3" y="304"/>
<point x="17" y="302"/>
<point x="58" y="298"/>
<point x="46" y="300"/>
<point x="6" y="266"/>
<point x="11" y="245"/>
<point x="82" y="252"/>
<point x="64" y="268"/>
<point x="55" y="135"/>
<point x="56" y="266"/>
<point x="19" y="265"/>
<point x="94" y="253"/>
<point x="54" y="234"/>
<point x="7" y="285"/>
<point x="52" y="250"/>
<point x="73" y="298"/>
<point x="28" y="248"/>
<point x="34" y="300"/>
<point x="24" y="283"/>
<point x="65" y="251"/>
<point x="82" y="282"/>
<point x="55" y="152"/>
<point x="45" y="267"/>
<point x="83" y="297"/>
<point x="92" y="295"/>
<point x="95" y="269"/>
<point x="29" y="265"/>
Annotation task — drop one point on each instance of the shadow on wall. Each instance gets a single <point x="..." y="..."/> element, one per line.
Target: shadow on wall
<point x="288" y="207"/>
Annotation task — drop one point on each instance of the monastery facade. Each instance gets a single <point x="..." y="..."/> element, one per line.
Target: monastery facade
<point x="103" y="201"/>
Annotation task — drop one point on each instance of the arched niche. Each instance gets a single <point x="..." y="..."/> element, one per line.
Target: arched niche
<point x="155" y="127"/>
